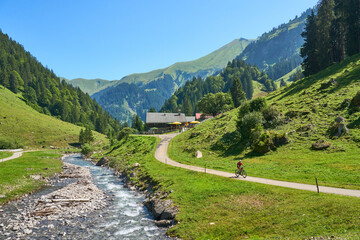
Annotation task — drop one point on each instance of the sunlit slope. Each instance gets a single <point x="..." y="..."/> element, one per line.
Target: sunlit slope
<point x="309" y="107"/>
<point x="91" y="86"/>
<point x="22" y="125"/>
<point x="182" y="71"/>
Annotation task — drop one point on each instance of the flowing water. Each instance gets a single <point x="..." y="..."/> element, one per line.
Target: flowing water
<point x="124" y="218"/>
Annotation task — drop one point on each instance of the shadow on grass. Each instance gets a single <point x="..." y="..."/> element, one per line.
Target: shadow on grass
<point x="354" y="124"/>
<point x="343" y="81"/>
<point x="229" y="144"/>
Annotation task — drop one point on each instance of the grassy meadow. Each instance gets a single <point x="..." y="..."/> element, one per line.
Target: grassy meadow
<point x="213" y="207"/>
<point x="5" y="154"/>
<point x="315" y="107"/>
<point x="15" y="175"/>
<point x="21" y="125"/>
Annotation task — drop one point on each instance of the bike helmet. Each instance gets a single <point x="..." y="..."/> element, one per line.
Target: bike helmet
<point x="239" y="160"/>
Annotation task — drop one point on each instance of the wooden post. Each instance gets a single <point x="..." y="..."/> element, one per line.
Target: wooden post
<point x="317" y="185"/>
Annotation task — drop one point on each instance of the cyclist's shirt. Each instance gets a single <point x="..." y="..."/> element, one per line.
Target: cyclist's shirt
<point x="239" y="164"/>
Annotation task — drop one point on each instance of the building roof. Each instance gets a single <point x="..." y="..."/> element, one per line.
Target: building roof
<point x="152" y="117"/>
<point x="190" y="119"/>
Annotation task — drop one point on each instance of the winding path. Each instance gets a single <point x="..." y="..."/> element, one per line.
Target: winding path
<point x="162" y="156"/>
<point x="17" y="153"/>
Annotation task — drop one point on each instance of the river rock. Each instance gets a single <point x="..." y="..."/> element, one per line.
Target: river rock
<point x="104" y="161"/>
<point x="198" y="154"/>
<point x="163" y="223"/>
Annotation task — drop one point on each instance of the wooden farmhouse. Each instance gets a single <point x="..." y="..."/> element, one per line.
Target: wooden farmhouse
<point x="164" y="122"/>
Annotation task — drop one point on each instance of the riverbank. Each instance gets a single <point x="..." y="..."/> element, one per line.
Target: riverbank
<point x="213" y="207"/>
<point x="76" y="197"/>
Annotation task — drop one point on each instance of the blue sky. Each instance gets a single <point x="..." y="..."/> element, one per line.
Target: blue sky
<point x="112" y="38"/>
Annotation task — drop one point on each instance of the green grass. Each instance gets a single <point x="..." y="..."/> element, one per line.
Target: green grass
<point x="338" y="166"/>
<point x="15" y="175"/>
<point x="28" y="128"/>
<point x="5" y="154"/>
<point x="213" y="207"/>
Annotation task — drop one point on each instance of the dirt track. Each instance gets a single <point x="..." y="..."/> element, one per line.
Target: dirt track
<point x="17" y="153"/>
<point x="162" y="156"/>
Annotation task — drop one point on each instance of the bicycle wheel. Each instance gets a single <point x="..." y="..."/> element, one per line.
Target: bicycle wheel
<point x="244" y="173"/>
<point x="237" y="173"/>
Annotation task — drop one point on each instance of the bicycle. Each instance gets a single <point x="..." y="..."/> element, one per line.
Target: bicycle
<point x="241" y="172"/>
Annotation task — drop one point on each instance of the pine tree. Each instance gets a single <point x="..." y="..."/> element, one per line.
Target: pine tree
<point x="282" y="83"/>
<point x="187" y="107"/>
<point x="13" y="83"/>
<point x="324" y="19"/>
<point x="338" y="32"/>
<point x="237" y="93"/>
<point x="81" y="136"/>
<point x="309" y="50"/>
<point x="352" y="7"/>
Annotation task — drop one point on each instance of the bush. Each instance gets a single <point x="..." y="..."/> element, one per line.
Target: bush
<point x="86" y="149"/>
<point x="250" y="125"/>
<point x="258" y="104"/>
<point x="7" y="144"/>
<point x="272" y="117"/>
<point x="125" y="132"/>
<point x="264" y="144"/>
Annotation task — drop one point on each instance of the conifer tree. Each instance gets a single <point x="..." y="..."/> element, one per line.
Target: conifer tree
<point x="81" y="136"/>
<point x="13" y="83"/>
<point x="323" y="21"/>
<point x="309" y="50"/>
<point x="237" y="93"/>
<point x="352" y="8"/>
<point x="282" y="83"/>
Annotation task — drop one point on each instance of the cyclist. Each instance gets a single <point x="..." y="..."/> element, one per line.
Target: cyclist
<point x="240" y="165"/>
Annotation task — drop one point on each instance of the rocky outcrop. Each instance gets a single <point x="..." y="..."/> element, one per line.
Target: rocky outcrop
<point x="338" y="128"/>
<point x="164" y="210"/>
<point x="320" y="145"/>
<point x="104" y="161"/>
<point x="198" y="154"/>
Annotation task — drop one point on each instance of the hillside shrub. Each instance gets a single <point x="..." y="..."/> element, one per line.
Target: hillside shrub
<point x="268" y="141"/>
<point x="7" y="144"/>
<point x="250" y="125"/>
<point x="86" y="149"/>
<point x="125" y="132"/>
<point x="272" y="117"/>
<point x="355" y="102"/>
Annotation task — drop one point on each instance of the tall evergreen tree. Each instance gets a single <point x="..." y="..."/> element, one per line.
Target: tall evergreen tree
<point x="352" y="7"/>
<point x="13" y="83"/>
<point x="187" y="107"/>
<point x="324" y="19"/>
<point x="309" y="50"/>
<point x="237" y="93"/>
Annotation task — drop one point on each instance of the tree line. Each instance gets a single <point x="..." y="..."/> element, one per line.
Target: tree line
<point x="331" y="35"/>
<point x="45" y="92"/>
<point x="186" y="98"/>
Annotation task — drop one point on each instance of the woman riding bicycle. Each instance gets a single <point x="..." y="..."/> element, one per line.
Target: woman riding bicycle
<point x="240" y="165"/>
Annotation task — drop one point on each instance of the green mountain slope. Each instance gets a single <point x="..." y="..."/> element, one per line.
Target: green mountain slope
<point x="21" y="125"/>
<point x="278" y="51"/>
<point x="183" y="71"/>
<point x="136" y="93"/>
<point x="91" y="86"/>
<point x="308" y="108"/>
<point x="45" y="92"/>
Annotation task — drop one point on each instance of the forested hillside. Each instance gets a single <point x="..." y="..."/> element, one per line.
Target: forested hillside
<point x="187" y="97"/>
<point x="45" y="92"/>
<point x="278" y="52"/>
<point x="136" y="93"/>
<point x="331" y="35"/>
